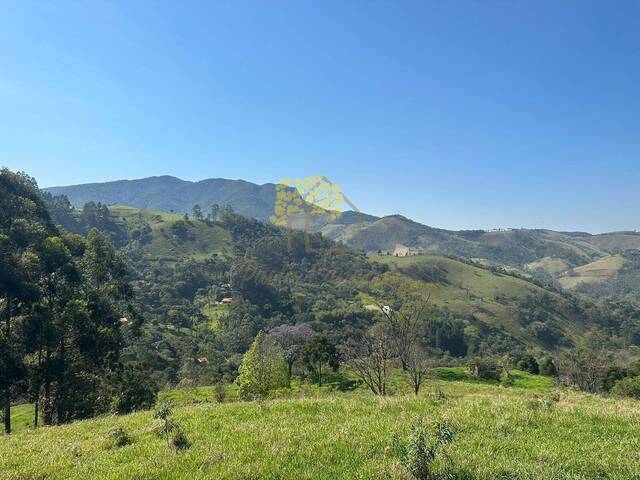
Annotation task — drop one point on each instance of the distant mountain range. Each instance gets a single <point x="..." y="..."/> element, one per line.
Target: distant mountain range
<point x="566" y="257"/>
<point x="171" y="194"/>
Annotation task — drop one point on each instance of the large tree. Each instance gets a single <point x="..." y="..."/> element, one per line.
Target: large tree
<point x="318" y="354"/>
<point x="263" y="368"/>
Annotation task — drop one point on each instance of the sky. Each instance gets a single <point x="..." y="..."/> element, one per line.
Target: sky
<point x="457" y="114"/>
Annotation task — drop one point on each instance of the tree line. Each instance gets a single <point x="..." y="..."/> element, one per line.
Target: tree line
<point x="65" y="311"/>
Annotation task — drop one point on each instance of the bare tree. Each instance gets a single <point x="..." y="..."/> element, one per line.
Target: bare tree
<point x="583" y="368"/>
<point x="405" y="328"/>
<point x="418" y="365"/>
<point x="370" y="357"/>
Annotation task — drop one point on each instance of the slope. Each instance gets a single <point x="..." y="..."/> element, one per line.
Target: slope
<point x="498" y="433"/>
<point x="168" y="237"/>
<point x="493" y="297"/>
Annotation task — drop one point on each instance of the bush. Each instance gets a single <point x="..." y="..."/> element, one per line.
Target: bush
<point x="611" y="376"/>
<point x="548" y="368"/>
<point x="485" y="369"/>
<point x="220" y="391"/>
<point x="627" y="388"/>
<point x="165" y="425"/>
<point x="529" y="364"/>
<point x="506" y="379"/>
<point x="419" y="451"/>
<point x="119" y="436"/>
<point x="178" y="439"/>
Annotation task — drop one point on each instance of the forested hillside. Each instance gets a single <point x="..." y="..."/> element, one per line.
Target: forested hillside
<point x="183" y="265"/>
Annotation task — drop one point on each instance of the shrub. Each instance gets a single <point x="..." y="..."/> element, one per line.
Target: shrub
<point x="163" y="410"/>
<point x="178" y="439"/>
<point x="611" y="376"/>
<point x="529" y="364"/>
<point x="220" y="392"/>
<point x="485" y="369"/>
<point x="135" y="391"/>
<point x="119" y="436"/>
<point x="506" y="379"/>
<point x="419" y="451"/>
<point x="627" y="388"/>
<point x="166" y="425"/>
<point x="548" y="367"/>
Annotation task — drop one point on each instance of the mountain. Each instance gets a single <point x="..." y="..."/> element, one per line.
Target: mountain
<point x="543" y="253"/>
<point x="171" y="194"/>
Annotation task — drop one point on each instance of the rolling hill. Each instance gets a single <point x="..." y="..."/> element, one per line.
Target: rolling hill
<point x="497" y="300"/>
<point x="167" y="237"/>
<point x="489" y="300"/>
<point x="569" y="258"/>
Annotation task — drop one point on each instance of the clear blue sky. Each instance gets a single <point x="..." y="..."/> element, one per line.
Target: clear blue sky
<point x="459" y="114"/>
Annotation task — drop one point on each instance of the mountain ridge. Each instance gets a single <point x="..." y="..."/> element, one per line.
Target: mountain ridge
<point x="392" y="234"/>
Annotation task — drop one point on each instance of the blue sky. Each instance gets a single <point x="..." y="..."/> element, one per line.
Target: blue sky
<point x="459" y="114"/>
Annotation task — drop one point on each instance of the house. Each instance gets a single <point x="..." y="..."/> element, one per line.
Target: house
<point x="226" y="301"/>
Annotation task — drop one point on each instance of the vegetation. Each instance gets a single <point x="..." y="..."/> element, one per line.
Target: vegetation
<point x="349" y="435"/>
<point x="263" y="369"/>
<point x="115" y="309"/>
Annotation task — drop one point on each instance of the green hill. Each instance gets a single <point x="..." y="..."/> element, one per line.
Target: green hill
<point x="491" y="302"/>
<point x="494" y="298"/>
<point x="166" y="193"/>
<point x="545" y="254"/>
<point x="168" y="237"/>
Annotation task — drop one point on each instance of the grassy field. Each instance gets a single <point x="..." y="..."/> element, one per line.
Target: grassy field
<point x="553" y="266"/>
<point x="470" y="290"/>
<point x="215" y="312"/>
<point x="534" y="432"/>
<point x="599" y="271"/>
<point x="21" y="417"/>
<point x="203" y="240"/>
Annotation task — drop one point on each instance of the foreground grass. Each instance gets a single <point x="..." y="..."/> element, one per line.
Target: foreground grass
<point x="512" y="433"/>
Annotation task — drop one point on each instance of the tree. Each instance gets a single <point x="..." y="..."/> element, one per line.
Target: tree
<point x="196" y="211"/>
<point x="529" y="364"/>
<point x="318" y="353"/>
<point x="24" y="221"/>
<point x="418" y="364"/>
<point x="250" y="281"/>
<point x="291" y="339"/>
<point x="405" y="328"/>
<point x="583" y="368"/>
<point x="213" y="212"/>
<point x="370" y="356"/>
<point x="263" y="369"/>
<point x="548" y="367"/>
